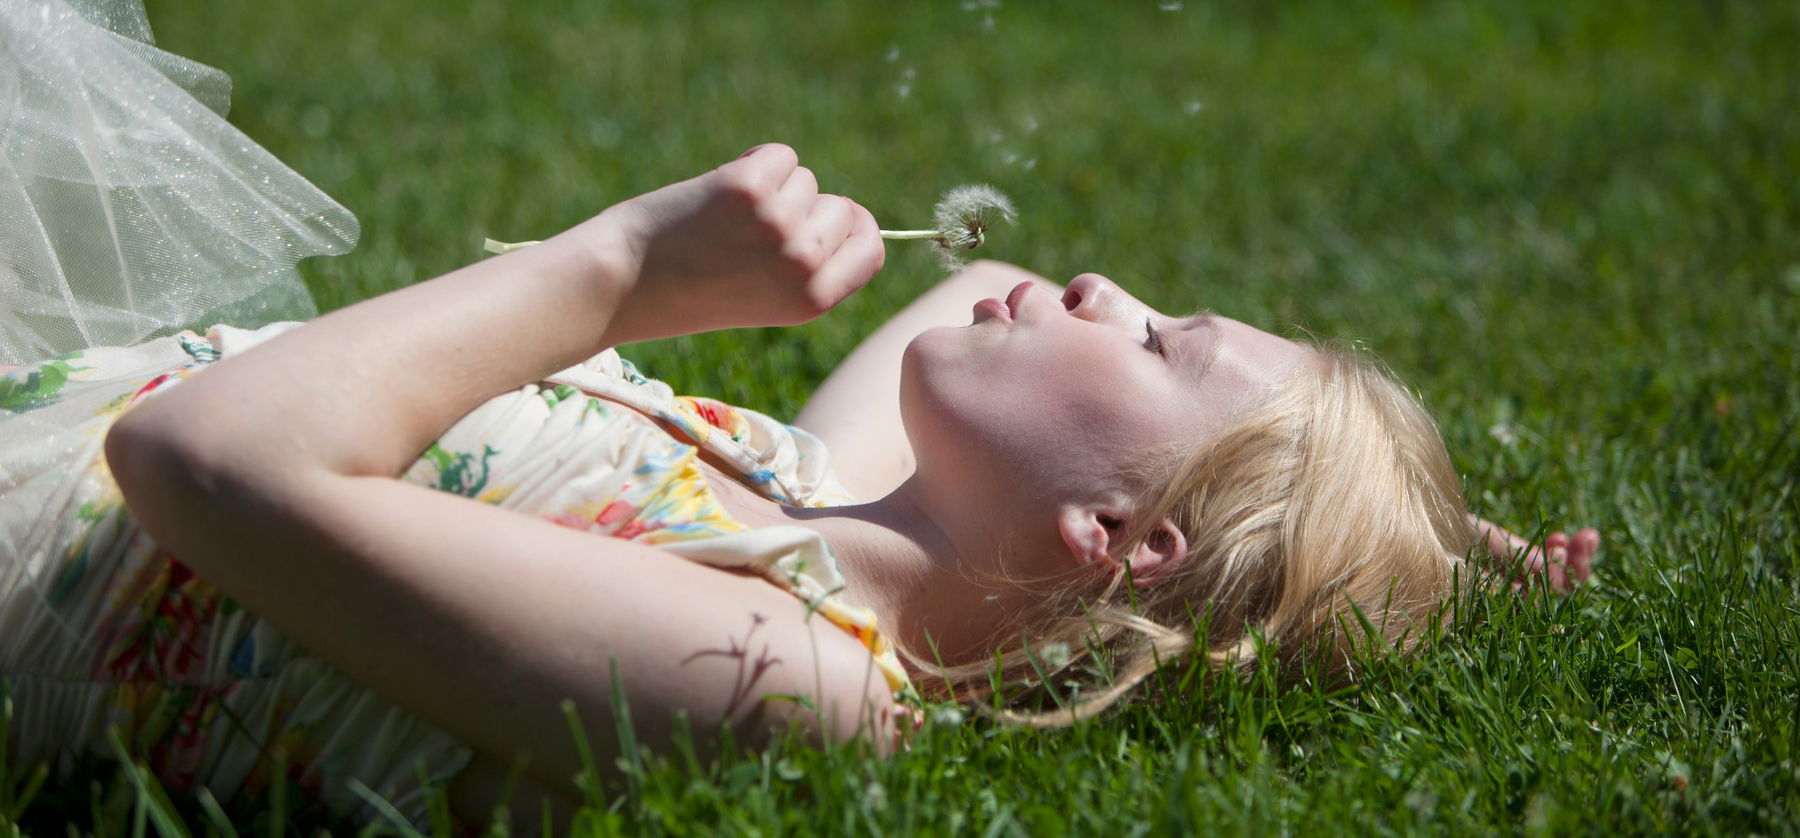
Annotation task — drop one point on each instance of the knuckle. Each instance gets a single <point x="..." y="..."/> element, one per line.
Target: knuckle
<point x="782" y="153"/>
<point x="739" y="189"/>
<point x="809" y="256"/>
<point x="818" y="301"/>
<point x="766" y="224"/>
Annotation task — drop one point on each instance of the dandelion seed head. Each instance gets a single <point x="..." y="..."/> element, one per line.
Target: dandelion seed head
<point x="963" y="218"/>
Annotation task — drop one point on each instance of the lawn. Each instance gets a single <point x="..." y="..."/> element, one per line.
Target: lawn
<point x="1572" y="228"/>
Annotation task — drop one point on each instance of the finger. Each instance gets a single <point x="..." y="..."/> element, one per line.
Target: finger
<point x="1557" y="541"/>
<point x="1502" y="546"/>
<point x="764" y="168"/>
<point x="825" y="228"/>
<point x="1581" y="553"/>
<point x="857" y="259"/>
<point x="795" y="199"/>
<point x="1580" y="565"/>
<point x="1530" y="569"/>
<point x="1556" y="561"/>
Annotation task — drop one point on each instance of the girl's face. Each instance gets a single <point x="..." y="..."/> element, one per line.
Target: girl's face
<point x="1046" y="401"/>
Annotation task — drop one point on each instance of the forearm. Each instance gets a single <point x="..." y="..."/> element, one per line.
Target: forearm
<point x="362" y="390"/>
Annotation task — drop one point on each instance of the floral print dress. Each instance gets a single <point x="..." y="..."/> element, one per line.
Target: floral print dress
<point x="101" y="629"/>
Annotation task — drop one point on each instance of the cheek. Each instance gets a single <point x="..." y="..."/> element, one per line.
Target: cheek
<point x="1022" y="404"/>
<point x="936" y="401"/>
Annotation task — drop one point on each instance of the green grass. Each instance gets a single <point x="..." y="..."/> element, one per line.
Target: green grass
<point x="1572" y="227"/>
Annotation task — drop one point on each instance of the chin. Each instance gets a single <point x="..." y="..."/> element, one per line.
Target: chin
<point x="932" y="393"/>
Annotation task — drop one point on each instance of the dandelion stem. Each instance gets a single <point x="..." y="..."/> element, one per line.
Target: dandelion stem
<point x="911" y="234"/>
<point x="492" y="246"/>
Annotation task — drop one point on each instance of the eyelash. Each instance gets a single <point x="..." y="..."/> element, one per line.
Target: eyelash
<point x="1154" y="342"/>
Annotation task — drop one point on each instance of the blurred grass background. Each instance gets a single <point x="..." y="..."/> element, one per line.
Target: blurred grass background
<point x="1572" y="227"/>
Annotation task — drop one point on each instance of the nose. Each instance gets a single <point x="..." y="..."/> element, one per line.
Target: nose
<point x="1093" y="297"/>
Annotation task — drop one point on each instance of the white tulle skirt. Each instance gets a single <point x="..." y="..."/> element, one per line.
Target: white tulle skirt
<point x="131" y="210"/>
<point x="129" y="207"/>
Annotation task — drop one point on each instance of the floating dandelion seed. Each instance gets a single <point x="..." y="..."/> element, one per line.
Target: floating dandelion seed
<point x="963" y="219"/>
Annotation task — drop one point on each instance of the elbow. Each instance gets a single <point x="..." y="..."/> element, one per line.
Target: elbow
<point x="845" y="700"/>
<point x="874" y="718"/>
<point x="165" y="463"/>
<point x="859" y="705"/>
<point x="141" y="448"/>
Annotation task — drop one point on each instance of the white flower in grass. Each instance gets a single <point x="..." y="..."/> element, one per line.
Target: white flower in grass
<point x="1054" y="655"/>
<point x="963" y="218"/>
<point x="948" y="715"/>
<point x="875" y="796"/>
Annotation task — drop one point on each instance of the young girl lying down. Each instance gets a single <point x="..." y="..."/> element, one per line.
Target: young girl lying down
<point x="373" y="541"/>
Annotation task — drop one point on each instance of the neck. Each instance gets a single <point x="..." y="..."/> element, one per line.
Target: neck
<point x="900" y="558"/>
<point x="888" y="551"/>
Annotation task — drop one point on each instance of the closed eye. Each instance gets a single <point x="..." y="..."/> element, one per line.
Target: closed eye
<point x="1154" y="341"/>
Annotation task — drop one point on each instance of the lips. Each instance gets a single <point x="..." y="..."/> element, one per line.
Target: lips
<point x="1005" y="310"/>
<point x="992" y="308"/>
<point x="1016" y="296"/>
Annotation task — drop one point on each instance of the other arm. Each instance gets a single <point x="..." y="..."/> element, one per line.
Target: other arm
<point x="1563" y="561"/>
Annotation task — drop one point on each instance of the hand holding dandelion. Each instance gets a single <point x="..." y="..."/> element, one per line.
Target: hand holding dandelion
<point x="963" y="218"/>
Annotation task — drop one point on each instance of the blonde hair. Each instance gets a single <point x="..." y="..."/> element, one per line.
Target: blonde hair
<point x="1329" y="516"/>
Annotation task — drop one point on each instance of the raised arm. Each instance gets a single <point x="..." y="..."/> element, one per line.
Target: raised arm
<point x="857" y="410"/>
<point x="272" y="475"/>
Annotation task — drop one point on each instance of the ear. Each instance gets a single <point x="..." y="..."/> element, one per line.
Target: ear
<point x="1162" y="552"/>
<point x="1092" y="534"/>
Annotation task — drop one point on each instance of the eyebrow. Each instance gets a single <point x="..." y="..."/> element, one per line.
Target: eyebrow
<point x="1200" y="319"/>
